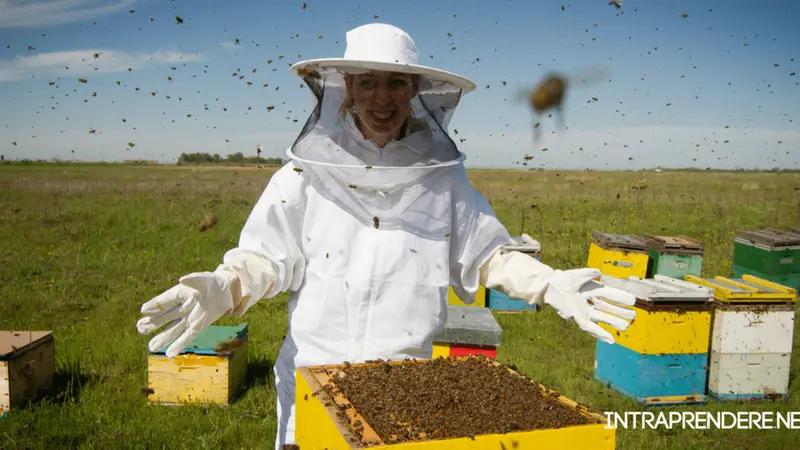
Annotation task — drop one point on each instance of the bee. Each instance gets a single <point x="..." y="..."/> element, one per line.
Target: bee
<point x="229" y="346"/>
<point x="178" y="20"/>
<point x="551" y="92"/>
<point x="208" y="222"/>
<point x="309" y="72"/>
<point x="82" y="80"/>
<point x="616" y="3"/>
<point x="376" y="222"/>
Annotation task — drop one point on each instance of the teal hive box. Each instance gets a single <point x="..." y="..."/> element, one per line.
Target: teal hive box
<point x="498" y="301"/>
<point x="769" y="251"/>
<point x="674" y="256"/>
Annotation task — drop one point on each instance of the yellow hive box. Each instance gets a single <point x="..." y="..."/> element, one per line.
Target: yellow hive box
<point x="319" y="425"/>
<point x="210" y="370"/>
<point x="480" y="298"/>
<point x="618" y="255"/>
<point x="657" y="331"/>
<point x="672" y="316"/>
<point x="748" y="289"/>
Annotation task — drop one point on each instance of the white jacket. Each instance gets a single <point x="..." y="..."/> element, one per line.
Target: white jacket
<point x="360" y="292"/>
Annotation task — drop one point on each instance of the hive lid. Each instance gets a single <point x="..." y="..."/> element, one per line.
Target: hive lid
<point x="747" y="289"/>
<point x="206" y="342"/>
<point x="524" y="244"/>
<point x="769" y="238"/>
<point x="674" y="244"/>
<point x="660" y="289"/>
<point x="16" y="342"/>
<point x="619" y="240"/>
<point x="470" y="325"/>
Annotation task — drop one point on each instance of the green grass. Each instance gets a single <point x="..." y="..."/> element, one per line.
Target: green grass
<point x="83" y="246"/>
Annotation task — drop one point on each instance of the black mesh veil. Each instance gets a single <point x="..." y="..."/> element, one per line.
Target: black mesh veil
<point x="379" y="186"/>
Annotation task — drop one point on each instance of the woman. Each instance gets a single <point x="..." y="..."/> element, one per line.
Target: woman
<point x="368" y="225"/>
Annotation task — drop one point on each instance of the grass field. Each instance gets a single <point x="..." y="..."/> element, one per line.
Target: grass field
<point x="82" y="247"/>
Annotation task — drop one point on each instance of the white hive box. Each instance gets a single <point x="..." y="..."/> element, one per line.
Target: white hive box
<point x="751" y="351"/>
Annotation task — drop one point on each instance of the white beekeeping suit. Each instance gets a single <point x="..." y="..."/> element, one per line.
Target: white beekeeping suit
<point x="366" y="240"/>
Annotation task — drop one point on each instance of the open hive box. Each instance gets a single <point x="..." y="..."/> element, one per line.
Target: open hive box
<point x="467" y="402"/>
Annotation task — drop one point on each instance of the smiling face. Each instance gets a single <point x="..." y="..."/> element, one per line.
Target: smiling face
<point x="382" y="103"/>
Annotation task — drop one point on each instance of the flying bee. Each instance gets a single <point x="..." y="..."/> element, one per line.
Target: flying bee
<point x="229" y="346"/>
<point x="308" y="72"/>
<point x="616" y="3"/>
<point x="550" y="94"/>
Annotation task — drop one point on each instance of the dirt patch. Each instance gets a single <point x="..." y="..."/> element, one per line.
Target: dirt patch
<point x="448" y="398"/>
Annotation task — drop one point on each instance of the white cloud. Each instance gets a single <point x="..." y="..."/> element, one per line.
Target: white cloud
<point x="32" y="13"/>
<point x="84" y="63"/>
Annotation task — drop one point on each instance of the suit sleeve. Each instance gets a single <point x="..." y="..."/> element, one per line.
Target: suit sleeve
<point x="269" y="258"/>
<point x="477" y="234"/>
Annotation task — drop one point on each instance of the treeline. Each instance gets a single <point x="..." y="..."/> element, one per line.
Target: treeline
<point x="233" y="158"/>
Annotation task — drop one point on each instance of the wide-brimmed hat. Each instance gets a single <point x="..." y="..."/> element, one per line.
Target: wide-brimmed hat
<point x="379" y="46"/>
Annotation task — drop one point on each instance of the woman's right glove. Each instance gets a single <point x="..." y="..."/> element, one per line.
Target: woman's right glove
<point x="200" y="299"/>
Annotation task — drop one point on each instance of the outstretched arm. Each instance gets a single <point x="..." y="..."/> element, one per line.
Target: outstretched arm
<point x="575" y="294"/>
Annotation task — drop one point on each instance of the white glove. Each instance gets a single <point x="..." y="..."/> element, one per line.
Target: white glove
<point x="572" y="293"/>
<point x="196" y="302"/>
<point x="201" y="298"/>
<point x="576" y="295"/>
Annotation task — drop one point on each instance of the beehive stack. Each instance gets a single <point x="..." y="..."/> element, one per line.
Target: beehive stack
<point x="752" y="335"/>
<point x="210" y="370"/>
<point x="434" y="404"/>
<point x="770" y="253"/>
<point x="498" y="301"/>
<point x="674" y="256"/>
<point x="618" y="255"/>
<point x="662" y="357"/>
<point x="468" y="331"/>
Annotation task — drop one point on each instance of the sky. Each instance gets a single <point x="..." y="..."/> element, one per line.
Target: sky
<point x="686" y="84"/>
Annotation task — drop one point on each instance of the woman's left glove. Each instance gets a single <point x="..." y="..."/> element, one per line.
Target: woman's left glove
<point x="574" y="294"/>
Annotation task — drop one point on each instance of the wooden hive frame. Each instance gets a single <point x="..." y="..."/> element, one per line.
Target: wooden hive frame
<point x="310" y="383"/>
<point x="749" y="290"/>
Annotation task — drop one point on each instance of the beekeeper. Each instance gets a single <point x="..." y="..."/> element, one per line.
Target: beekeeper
<point x="368" y="225"/>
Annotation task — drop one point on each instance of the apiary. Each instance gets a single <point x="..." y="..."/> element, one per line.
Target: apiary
<point x="444" y="403"/>
<point x="769" y="251"/>
<point x="210" y="370"/>
<point x="751" y="340"/>
<point x="662" y="358"/>
<point x="480" y="298"/>
<point x="618" y="255"/>
<point x="468" y="331"/>
<point x="674" y="256"/>
<point x="498" y="301"/>
<point x="27" y="365"/>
